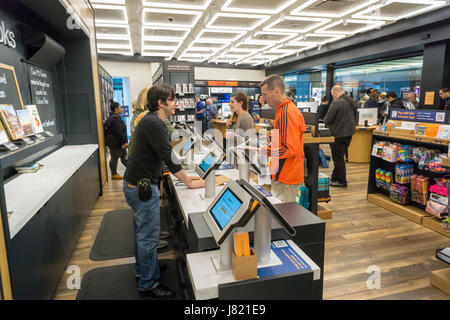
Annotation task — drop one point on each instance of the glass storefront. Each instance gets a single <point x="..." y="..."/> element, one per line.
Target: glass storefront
<point x="401" y="76"/>
<point x="302" y="87"/>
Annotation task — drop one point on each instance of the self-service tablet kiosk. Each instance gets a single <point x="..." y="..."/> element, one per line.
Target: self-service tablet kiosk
<point x="245" y="165"/>
<point x="188" y="147"/>
<point x="206" y="171"/>
<point x="278" y="261"/>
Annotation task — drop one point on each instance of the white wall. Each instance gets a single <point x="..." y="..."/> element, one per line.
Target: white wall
<point x="223" y="74"/>
<point x="140" y="74"/>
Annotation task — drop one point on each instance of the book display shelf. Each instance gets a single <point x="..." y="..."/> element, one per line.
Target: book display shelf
<point x="49" y="153"/>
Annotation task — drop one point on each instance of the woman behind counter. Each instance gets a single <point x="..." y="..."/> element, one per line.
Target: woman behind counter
<point x="241" y="119"/>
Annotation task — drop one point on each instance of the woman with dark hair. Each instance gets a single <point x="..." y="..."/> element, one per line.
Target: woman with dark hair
<point x="239" y="107"/>
<point x="323" y="108"/>
<point x="116" y="138"/>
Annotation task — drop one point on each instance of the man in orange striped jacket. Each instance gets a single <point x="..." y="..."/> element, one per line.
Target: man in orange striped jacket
<point x="286" y="149"/>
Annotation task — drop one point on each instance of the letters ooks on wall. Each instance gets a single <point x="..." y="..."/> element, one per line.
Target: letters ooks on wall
<point x="42" y="96"/>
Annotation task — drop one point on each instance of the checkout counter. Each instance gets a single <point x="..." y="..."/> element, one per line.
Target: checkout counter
<point x="302" y="280"/>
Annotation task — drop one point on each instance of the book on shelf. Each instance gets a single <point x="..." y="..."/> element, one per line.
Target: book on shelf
<point x="11" y="122"/>
<point x="178" y="88"/>
<point x="36" y="120"/>
<point x="28" y="168"/>
<point x="191" y="88"/>
<point x="185" y="88"/>
<point x="25" y="121"/>
<point x="3" y="135"/>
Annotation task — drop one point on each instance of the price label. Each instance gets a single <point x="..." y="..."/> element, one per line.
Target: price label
<point x="28" y="140"/>
<point x="10" y="146"/>
<point x="40" y="136"/>
<point x="48" y="133"/>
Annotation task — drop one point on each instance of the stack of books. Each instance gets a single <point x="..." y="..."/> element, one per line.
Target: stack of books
<point x="28" y="168"/>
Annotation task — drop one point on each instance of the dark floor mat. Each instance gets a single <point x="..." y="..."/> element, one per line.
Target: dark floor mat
<point x="115" y="237"/>
<point x="119" y="283"/>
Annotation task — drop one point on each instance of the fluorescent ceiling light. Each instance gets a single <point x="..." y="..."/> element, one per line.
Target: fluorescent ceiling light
<point x="333" y="37"/>
<point x="226" y="7"/>
<point x="174" y="48"/>
<point x="108" y="36"/>
<point x="369" y="13"/>
<point x="171" y="4"/>
<point x="108" y="1"/>
<point x="156" y="54"/>
<point x="109" y="7"/>
<point x="238" y="34"/>
<point x="113" y="46"/>
<point x="167" y="28"/>
<point x="262" y="19"/>
<point x="126" y="53"/>
<point x="300" y="11"/>
<point x="287" y="35"/>
<point x="368" y="25"/>
<point x="320" y="22"/>
<point x="197" y="15"/>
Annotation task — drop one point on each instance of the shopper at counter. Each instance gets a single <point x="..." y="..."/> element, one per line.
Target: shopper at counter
<point x="212" y="109"/>
<point x="412" y="102"/>
<point x="139" y="109"/>
<point x="444" y="93"/>
<point x="239" y="106"/>
<point x="150" y="147"/>
<point x="287" y="166"/>
<point x="116" y="138"/>
<point x="383" y="109"/>
<point x="394" y="101"/>
<point x="372" y="101"/>
<point x="199" y="115"/>
<point x="322" y="109"/>
<point x="341" y="121"/>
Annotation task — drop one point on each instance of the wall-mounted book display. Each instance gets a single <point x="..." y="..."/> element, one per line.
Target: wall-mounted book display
<point x="3" y="135"/>
<point x="9" y="88"/>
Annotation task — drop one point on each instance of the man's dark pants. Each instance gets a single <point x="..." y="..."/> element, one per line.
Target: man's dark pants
<point x="117" y="153"/>
<point x="338" y="151"/>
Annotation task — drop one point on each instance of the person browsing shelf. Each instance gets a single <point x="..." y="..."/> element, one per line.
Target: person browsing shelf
<point x="199" y="115"/>
<point x="150" y="147"/>
<point x="116" y="138"/>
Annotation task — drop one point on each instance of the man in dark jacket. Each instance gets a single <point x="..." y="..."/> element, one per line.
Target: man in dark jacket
<point x="394" y="101"/>
<point x="341" y="121"/>
<point x="116" y="138"/>
<point x="372" y="102"/>
<point x="323" y="108"/>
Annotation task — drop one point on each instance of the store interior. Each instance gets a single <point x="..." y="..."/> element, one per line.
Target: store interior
<point x="66" y="229"/>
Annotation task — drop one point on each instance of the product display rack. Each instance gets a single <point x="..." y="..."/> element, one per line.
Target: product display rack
<point x="412" y="211"/>
<point x="106" y="91"/>
<point x="180" y="75"/>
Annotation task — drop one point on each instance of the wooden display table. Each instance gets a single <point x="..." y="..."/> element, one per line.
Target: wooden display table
<point x="361" y="146"/>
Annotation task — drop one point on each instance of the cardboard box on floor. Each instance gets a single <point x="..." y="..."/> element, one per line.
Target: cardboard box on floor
<point x="441" y="280"/>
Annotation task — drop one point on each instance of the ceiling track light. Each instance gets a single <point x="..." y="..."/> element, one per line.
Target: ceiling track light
<point x="344" y="22"/>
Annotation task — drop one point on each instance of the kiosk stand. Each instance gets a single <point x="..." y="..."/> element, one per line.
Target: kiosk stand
<point x="278" y="263"/>
<point x="206" y="171"/>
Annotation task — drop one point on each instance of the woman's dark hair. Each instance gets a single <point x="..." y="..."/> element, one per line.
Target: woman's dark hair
<point x="113" y="106"/>
<point x="241" y="97"/>
<point x="326" y="98"/>
<point x="391" y="94"/>
<point x="158" y="92"/>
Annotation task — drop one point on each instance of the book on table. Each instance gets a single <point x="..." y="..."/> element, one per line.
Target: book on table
<point x="11" y="122"/>
<point x="3" y="135"/>
<point x="27" y="168"/>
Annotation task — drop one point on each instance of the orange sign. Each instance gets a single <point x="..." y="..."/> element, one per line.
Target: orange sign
<point x="429" y="98"/>
<point x="223" y="83"/>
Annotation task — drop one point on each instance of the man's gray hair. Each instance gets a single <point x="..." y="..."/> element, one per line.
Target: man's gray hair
<point x="272" y="82"/>
<point x="337" y="89"/>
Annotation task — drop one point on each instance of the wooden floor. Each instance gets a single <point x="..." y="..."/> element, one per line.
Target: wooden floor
<point x="359" y="235"/>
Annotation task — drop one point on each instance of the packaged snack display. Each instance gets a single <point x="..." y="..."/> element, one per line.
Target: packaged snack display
<point x="419" y="189"/>
<point x="403" y="173"/>
<point x="383" y="179"/>
<point x="377" y="149"/>
<point x="405" y="153"/>
<point x="435" y="165"/>
<point x="399" y="193"/>
<point x="437" y="209"/>
<point x="390" y="153"/>
<point x="426" y="130"/>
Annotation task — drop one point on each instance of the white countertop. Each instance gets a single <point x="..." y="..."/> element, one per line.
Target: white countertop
<point x="27" y="193"/>
<point x="205" y="279"/>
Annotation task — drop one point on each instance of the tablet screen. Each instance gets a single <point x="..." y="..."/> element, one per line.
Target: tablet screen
<point x="187" y="145"/>
<point x="207" y="162"/>
<point x="225" y="208"/>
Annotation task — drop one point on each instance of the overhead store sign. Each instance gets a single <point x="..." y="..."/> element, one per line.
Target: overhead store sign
<point x="7" y="37"/>
<point x="223" y="83"/>
<point x="222" y="90"/>
<point x="433" y="116"/>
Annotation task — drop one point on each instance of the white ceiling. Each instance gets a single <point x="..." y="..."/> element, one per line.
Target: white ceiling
<point x="251" y="32"/>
